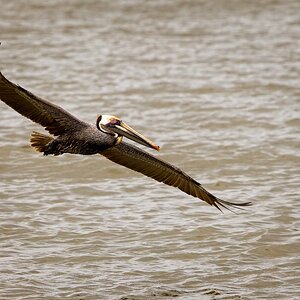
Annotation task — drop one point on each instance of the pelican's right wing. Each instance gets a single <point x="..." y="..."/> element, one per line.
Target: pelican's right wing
<point x="138" y="160"/>
<point x="55" y="119"/>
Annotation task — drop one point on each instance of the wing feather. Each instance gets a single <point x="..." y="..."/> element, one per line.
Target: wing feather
<point x="138" y="160"/>
<point x="55" y="119"/>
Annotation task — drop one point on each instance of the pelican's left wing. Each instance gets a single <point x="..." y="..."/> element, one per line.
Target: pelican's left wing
<point x="54" y="118"/>
<point x="138" y="160"/>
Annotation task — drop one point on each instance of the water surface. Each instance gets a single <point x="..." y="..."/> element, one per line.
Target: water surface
<point x="216" y="85"/>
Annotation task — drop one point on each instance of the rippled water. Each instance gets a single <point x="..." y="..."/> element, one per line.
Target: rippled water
<point x="216" y="84"/>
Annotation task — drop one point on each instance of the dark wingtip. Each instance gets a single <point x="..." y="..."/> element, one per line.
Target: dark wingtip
<point x="219" y="204"/>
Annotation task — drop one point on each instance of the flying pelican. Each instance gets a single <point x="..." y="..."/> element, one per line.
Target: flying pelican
<point x="71" y="135"/>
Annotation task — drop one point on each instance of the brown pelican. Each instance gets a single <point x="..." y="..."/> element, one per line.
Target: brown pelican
<point x="71" y="135"/>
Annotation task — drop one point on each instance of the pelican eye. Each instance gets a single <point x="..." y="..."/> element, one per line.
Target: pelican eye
<point x="114" y="122"/>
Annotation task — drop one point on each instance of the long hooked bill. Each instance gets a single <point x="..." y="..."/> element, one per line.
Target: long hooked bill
<point x="125" y="130"/>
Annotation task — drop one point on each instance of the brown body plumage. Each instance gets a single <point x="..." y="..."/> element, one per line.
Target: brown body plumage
<point x="71" y="135"/>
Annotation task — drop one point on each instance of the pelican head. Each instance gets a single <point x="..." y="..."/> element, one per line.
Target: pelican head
<point x="114" y="125"/>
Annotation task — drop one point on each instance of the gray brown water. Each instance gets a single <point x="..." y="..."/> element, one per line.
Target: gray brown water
<point x="216" y="85"/>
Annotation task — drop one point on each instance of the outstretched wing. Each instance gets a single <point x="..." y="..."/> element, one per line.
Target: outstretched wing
<point x="138" y="160"/>
<point x="55" y="119"/>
